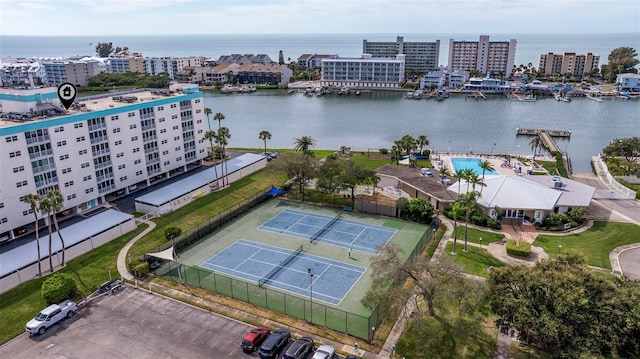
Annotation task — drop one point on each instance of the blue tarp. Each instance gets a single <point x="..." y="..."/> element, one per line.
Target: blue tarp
<point x="275" y="191"/>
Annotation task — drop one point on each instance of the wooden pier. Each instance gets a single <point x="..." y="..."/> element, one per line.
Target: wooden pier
<point x="546" y="136"/>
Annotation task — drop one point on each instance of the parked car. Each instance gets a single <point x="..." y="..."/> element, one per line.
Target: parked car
<point x="324" y="352"/>
<point x="299" y="349"/>
<point x="274" y="343"/>
<point x="50" y="316"/>
<point x="254" y="338"/>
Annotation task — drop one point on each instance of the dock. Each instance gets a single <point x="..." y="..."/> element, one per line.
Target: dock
<point x="546" y="136"/>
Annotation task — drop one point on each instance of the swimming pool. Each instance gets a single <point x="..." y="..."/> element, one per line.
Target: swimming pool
<point x="463" y="163"/>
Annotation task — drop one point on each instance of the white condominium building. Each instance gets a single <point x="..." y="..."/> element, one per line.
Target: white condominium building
<point x="569" y="63"/>
<point x="421" y="57"/>
<point x="102" y="147"/>
<point x="170" y="65"/>
<point x="365" y="72"/>
<point x="495" y="58"/>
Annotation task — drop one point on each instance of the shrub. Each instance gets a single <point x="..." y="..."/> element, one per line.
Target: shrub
<point x="522" y="250"/>
<point x="58" y="287"/>
<point x="384" y="151"/>
<point x="426" y="153"/>
<point x="141" y="269"/>
<point x="172" y="232"/>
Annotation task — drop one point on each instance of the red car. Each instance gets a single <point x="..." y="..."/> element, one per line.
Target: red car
<point x="254" y="338"/>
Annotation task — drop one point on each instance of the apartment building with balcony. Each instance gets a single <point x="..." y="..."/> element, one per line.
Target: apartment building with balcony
<point x="119" y="65"/>
<point x="421" y="57"/>
<point x="77" y="72"/>
<point x="102" y="146"/>
<point x="495" y="58"/>
<point x="22" y="72"/>
<point x="363" y="72"/>
<point x="170" y="65"/>
<point x="568" y="63"/>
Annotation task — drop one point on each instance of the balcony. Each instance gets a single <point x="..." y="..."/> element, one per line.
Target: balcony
<point x="149" y="127"/>
<point x="38" y="139"/>
<point x="44" y="168"/>
<point x="150" y="150"/>
<point x="99" y="139"/>
<point x="102" y="164"/>
<point x="104" y="177"/>
<point x="107" y="188"/>
<point x="97" y="126"/>
<point x="46" y="182"/>
<point x="39" y="154"/>
<point x="148" y="139"/>
<point x="98" y="153"/>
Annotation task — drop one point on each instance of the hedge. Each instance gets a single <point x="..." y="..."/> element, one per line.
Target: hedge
<point x="522" y="250"/>
<point x="60" y="286"/>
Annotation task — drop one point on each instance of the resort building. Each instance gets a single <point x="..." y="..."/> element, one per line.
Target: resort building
<point x="568" y="63"/>
<point x="245" y="59"/>
<point x="77" y="72"/>
<point x="628" y="83"/>
<point x="103" y="146"/>
<point x="220" y="73"/>
<point x="421" y="57"/>
<point x="486" y="85"/>
<point x="258" y="73"/>
<point x="22" y="72"/>
<point x="444" y="78"/>
<point x="363" y="72"/>
<point x="489" y="57"/>
<point x="170" y="65"/>
<point x="312" y="60"/>
<point x="119" y="65"/>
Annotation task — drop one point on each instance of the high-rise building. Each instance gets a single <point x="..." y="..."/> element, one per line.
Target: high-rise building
<point x="421" y="57"/>
<point x="495" y="58"/>
<point x="102" y="146"/>
<point x="77" y="72"/>
<point x="568" y="63"/>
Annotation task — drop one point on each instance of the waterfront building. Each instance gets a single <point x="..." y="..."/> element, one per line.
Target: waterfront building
<point x="496" y="58"/>
<point x="421" y="57"/>
<point x="486" y="85"/>
<point x="245" y="59"/>
<point x="628" y="83"/>
<point x="190" y="74"/>
<point x="170" y="65"/>
<point x="77" y="72"/>
<point x="443" y="77"/>
<point x="103" y="146"/>
<point x="119" y="65"/>
<point x="568" y="63"/>
<point x="258" y="73"/>
<point x="312" y="60"/>
<point x="365" y="71"/>
<point x="22" y="72"/>
<point x="220" y="73"/>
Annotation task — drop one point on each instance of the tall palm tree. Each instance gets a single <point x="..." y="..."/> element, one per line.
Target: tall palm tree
<point x="468" y="201"/>
<point x="422" y="141"/>
<point x="486" y="166"/>
<point x="468" y="172"/>
<point x="219" y="117"/>
<point x="304" y="143"/>
<point x="456" y="211"/>
<point x="223" y="136"/>
<point x="460" y="175"/>
<point x="45" y="205"/>
<point x="475" y="180"/>
<point x="535" y="143"/>
<point x="57" y="199"/>
<point x="33" y="199"/>
<point x="207" y="111"/>
<point x="264" y="135"/>
<point x="211" y="135"/>
<point x="444" y="173"/>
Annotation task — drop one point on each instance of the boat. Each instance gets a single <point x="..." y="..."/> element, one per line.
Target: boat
<point x="595" y="96"/>
<point x="559" y="97"/>
<point x="357" y="92"/>
<point x="409" y="94"/>
<point x="523" y="98"/>
<point x="344" y="91"/>
<point x="417" y="94"/>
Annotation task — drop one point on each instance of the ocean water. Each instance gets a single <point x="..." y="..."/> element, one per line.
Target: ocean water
<point x="528" y="48"/>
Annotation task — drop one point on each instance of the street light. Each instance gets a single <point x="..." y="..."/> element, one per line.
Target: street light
<point x="310" y="293"/>
<point x="480" y="242"/>
<point x="559" y="248"/>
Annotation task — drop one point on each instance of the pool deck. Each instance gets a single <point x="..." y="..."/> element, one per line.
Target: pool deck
<point x="496" y="161"/>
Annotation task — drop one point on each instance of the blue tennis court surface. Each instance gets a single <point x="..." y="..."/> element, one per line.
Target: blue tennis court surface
<point x="250" y="260"/>
<point x="345" y="233"/>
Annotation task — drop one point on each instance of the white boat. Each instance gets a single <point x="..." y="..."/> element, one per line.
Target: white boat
<point x="525" y="98"/>
<point x="595" y="96"/>
<point x="344" y="91"/>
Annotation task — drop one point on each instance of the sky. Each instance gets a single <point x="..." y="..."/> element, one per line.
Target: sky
<point x="177" y="17"/>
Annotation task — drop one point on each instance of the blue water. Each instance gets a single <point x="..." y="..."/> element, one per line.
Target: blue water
<point x="470" y="163"/>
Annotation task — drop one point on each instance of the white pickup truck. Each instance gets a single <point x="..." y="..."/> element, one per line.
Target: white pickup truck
<point x="50" y="316"/>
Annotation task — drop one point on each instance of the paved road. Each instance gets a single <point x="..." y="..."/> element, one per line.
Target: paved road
<point x="135" y="324"/>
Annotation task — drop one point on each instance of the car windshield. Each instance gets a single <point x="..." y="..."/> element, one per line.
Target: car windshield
<point x="41" y="317"/>
<point x="246" y="342"/>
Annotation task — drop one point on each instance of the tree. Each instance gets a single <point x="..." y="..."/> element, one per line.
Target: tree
<point x="172" y="232"/>
<point x="303" y="144"/>
<point x="571" y="312"/>
<point x="58" y="287"/>
<point x="33" y="199"/>
<point x="628" y="148"/>
<point x="56" y="199"/>
<point x="211" y="136"/>
<point x="422" y="141"/>
<point x="444" y="173"/>
<point x="207" y="111"/>
<point x="219" y="117"/>
<point x="429" y="280"/>
<point x="264" y="135"/>
<point x="535" y="143"/>
<point x="456" y="211"/>
<point x="353" y="174"/>
<point x="299" y="166"/>
<point x="223" y="135"/>
<point x="621" y="60"/>
<point x="104" y="49"/>
<point x="468" y="201"/>
<point x="46" y="205"/>
<point x="486" y="166"/>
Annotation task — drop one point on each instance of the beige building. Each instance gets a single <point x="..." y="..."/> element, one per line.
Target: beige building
<point x="76" y="72"/>
<point x="496" y="58"/>
<point x="568" y="63"/>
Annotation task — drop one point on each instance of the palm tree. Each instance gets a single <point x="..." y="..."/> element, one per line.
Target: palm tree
<point x="460" y="175"/>
<point x="486" y="166"/>
<point x="33" y="199"/>
<point x="45" y="205"/>
<point x="223" y="136"/>
<point x="57" y="199"/>
<point x="468" y="201"/>
<point x="468" y="173"/>
<point x="211" y="135"/>
<point x="444" y="173"/>
<point x="422" y="141"/>
<point x="303" y="143"/>
<point x="219" y="117"/>
<point x="456" y="212"/>
<point x="264" y="135"/>
<point x="535" y="143"/>
<point x="207" y="111"/>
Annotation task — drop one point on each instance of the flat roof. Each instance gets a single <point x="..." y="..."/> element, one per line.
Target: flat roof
<point x="27" y="254"/>
<point x="184" y="186"/>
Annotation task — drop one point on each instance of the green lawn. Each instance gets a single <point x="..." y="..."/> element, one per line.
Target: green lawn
<point x="474" y="235"/>
<point x="90" y="270"/>
<point x="595" y="243"/>
<point x="475" y="261"/>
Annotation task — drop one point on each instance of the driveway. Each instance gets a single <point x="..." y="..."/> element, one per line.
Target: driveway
<point x="135" y="324"/>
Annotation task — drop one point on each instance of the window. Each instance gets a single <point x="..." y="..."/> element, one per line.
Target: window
<point x="27" y="212"/>
<point x="62" y="143"/>
<point x="88" y="190"/>
<point x="160" y="108"/>
<point x="161" y="119"/>
<point x="199" y="121"/>
<point x="131" y="127"/>
<point x="2" y="203"/>
<point x="86" y="178"/>
<point x="66" y="170"/>
<point x="118" y="142"/>
<point x="164" y="142"/>
<point x="82" y="152"/>
<point x="115" y="118"/>
<point x="14" y="154"/>
<point x="179" y="159"/>
<point x="123" y="178"/>
<point x="134" y="138"/>
<point x="173" y="105"/>
<point x="3" y="220"/>
<point x="131" y="114"/>
<point x="137" y="161"/>
<point x="137" y="149"/>
<point x="173" y="117"/>
<point x="199" y="131"/>
<point x="121" y="167"/>
<point x="116" y="130"/>
<point x="197" y="101"/>
<point x="177" y="148"/>
<point x="70" y="197"/>
<point x="18" y="169"/>
<point x="58" y="129"/>
<point x="78" y="125"/>
<point x="166" y="163"/>
<point x="12" y="138"/>
<point x="85" y="165"/>
<point x="138" y="173"/>
<point x="119" y="154"/>
<point x="21" y="183"/>
<point x="177" y="138"/>
<point x="165" y="153"/>
<point x="67" y="184"/>
<point x="64" y="157"/>
<point x="80" y="139"/>
<point x="163" y="130"/>
<point x="175" y="127"/>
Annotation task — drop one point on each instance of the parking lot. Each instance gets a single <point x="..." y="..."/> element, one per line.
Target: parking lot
<point x="134" y="324"/>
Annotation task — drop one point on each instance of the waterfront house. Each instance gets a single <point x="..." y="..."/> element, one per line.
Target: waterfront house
<point x="628" y="83"/>
<point x="486" y="85"/>
<point x="257" y="73"/>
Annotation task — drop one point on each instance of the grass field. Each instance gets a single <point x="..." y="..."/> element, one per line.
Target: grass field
<point x="595" y="243"/>
<point x="475" y="261"/>
<point x="474" y="235"/>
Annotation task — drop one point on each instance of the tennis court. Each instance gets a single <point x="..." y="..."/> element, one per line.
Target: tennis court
<point x="287" y="270"/>
<point x="332" y="230"/>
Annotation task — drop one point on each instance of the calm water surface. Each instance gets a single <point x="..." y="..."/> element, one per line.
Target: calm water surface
<point x="373" y="121"/>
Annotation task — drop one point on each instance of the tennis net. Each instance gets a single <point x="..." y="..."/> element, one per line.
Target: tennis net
<point x="275" y="270"/>
<point x="322" y="230"/>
